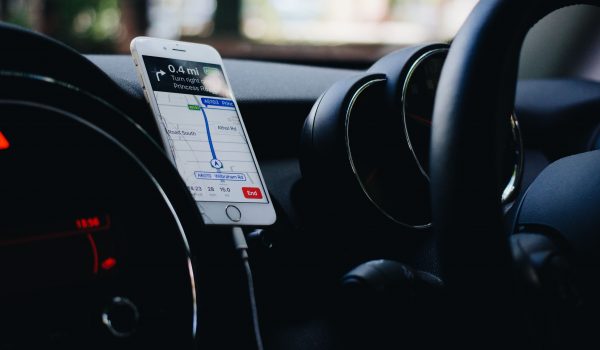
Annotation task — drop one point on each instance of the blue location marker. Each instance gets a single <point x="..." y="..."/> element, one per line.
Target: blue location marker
<point x="217" y="164"/>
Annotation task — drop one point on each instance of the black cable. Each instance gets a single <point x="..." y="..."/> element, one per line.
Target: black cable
<point x="241" y="246"/>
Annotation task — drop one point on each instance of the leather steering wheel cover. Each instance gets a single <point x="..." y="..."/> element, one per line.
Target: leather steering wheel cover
<point x="475" y="94"/>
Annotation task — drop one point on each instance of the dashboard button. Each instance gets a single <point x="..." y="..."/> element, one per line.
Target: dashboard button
<point x="121" y="317"/>
<point x="233" y="213"/>
<point x="252" y="192"/>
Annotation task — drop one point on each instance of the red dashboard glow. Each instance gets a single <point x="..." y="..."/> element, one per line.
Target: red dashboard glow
<point x="108" y="263"/>
<point x="86" y="223"/>
<point x="61" y="229"/>
<point x="4" y="144"/>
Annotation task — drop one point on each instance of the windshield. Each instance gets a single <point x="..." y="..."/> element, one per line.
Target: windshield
<point x="346" y="32"/>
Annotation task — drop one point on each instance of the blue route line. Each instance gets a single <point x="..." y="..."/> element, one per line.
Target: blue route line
<point x="210" y="142"/>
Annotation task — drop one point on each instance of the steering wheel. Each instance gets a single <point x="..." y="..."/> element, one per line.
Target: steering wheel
<point x="476" y="90"/>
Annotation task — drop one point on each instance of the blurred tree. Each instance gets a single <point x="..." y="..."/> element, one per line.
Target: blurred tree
<point x="89" y="25"/>
<point x="10" y="11"/>
<point x="98" y="26"/>
<point x="3" y="9"/>
<point x="228" y="18"/>
<point x="134" y="20"/>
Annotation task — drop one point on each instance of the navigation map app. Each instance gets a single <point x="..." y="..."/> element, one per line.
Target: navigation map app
<point x="204" y="131"/>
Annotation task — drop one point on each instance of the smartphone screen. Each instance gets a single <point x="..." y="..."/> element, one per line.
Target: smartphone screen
<point x="204" y="131"/>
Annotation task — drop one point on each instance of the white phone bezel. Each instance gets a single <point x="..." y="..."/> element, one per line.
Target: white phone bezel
<point x="213" y="213"/>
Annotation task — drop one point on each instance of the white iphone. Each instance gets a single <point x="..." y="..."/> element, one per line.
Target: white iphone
<point x="202" y="129"/>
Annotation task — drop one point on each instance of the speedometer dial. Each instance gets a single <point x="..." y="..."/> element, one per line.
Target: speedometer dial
<point x="92" y="252"/>
<point x="380" y="160"/>
<point x="383" y="120"/>
<point x="417" y="100"/>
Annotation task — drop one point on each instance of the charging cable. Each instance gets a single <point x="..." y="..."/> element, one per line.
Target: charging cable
<point x="240" y="245"/>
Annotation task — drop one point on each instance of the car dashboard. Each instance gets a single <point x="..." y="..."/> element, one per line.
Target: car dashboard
<point x="101" y="240"/>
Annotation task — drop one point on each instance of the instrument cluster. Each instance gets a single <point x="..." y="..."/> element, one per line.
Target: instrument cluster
<point x="374" y="132"/>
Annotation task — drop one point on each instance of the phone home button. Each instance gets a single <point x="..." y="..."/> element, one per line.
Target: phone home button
<point x="233" y="213"/>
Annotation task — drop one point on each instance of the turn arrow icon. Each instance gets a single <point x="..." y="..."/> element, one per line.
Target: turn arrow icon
<point x="159" y="74"/>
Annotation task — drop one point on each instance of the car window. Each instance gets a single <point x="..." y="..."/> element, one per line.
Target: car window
<point x="351" y="32"/>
